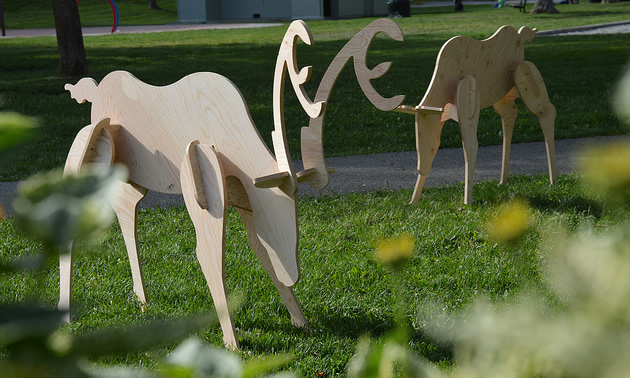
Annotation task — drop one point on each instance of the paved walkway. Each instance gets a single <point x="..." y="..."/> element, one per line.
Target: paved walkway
<point x="397" y="170"/>
<point x="104" y="30"/>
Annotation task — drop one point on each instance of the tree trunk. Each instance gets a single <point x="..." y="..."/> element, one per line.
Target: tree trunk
<point x="459" y="6"/>
<point x="153" y="5"/>
<point x="544" y="6"/>
<point x="72" y="60"/>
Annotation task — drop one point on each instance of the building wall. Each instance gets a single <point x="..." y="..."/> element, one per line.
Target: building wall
<point x="307" y="9"/>
<point x="192" y="11"/>
<point x="246" y="9"/>
<point x="358" y="8"/>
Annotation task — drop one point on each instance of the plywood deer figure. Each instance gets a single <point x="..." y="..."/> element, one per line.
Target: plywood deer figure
<point x="471" y="75"/>
<point x="196" y="137"/>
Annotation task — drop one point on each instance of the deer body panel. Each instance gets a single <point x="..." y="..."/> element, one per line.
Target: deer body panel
<point x="490" y="62"/>
<point x="157" y="123"/>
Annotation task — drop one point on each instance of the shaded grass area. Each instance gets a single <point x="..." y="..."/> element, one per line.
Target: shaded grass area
<point x="342" y="291"/>
<point x="37" y="14"/>
<point x="580" y="73"/>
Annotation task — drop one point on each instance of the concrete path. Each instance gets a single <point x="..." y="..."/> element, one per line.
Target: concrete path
<point x="104" y="30"/>
<point x="397" y="170"/>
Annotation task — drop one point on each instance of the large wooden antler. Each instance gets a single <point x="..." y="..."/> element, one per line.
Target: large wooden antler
<point x="286" y="179"/>
<point x="315" y="170"/>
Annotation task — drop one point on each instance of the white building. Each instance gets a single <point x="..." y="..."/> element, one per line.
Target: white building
<point x="201" y="11"/>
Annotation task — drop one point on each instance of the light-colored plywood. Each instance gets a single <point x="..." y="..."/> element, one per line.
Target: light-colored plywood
<point x="468" y="111"/>
<point x="497" y="68"/>
<point x="196" y="137"/>
<point x="93" y="145"/>
<point x="508" y="111"/>
<point x="286" y="293"/>
<point x="126" y="208"/>
<point x="209" y="225"/>
<point x="534" y="95"/>
<point x="355" y="49"/>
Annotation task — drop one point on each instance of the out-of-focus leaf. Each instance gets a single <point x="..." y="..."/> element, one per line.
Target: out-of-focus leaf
<point x="206" y="361"/>
<point x="32" y="263"/>
<point x="256" y="368"/>
<point x="366" y="360"/>
<point x="15" y="129"/>
<point x="18" y="323"/>
<point x="115" y="372"/>
<point x="58" y="209"/>
<point x="138" y="338"/>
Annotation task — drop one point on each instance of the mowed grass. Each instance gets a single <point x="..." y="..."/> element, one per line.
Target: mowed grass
<point x="343" y="292"/>
<point x="580" y="73"/>
<point x="37" y="14"/>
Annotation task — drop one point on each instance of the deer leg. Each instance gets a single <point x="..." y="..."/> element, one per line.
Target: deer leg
<point x="428" y="130"/>
<point x="533" y="92"/>
<point x="467" y="103"/>
<point x="93" y="145"/>
<point x="65" y="281"/>
<point x="203" y="187"/>
<point x="508" y="111"/>
<point x="286" y="293"/>
<point x="126" y="208"/>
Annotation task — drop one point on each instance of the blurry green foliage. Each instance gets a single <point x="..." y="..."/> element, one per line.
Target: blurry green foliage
<point x="578" y="330"/>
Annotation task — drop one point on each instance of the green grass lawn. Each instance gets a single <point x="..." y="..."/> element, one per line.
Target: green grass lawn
<point x="579" y="71"/>
<point x="343" y="292"/>
<point x="38" y="14"/>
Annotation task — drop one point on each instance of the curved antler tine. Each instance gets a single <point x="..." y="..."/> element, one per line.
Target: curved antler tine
<point x="380" y="70"/>
<point x="298" y="29"/>
<point x="305" y="74"/>
<point x="356" y="48"/>
<point x="389" y="27"/>
<point x="364" y="74"/>
<point x="287" y="62"/>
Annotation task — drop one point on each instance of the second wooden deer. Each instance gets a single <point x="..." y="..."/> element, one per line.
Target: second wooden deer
<point x="471" y="75"/>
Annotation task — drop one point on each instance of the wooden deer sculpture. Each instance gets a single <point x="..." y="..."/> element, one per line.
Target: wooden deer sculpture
<point x="471" y="75"/>
<point x="196" y="137"/>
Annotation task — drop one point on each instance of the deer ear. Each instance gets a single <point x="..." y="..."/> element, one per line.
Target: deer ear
<point x="84" y="90"/>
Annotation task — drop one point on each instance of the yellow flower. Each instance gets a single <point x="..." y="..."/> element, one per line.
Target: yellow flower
<point x="394" y="252"/>
<point x="511" y="221"/>
<point x="607" y="167"/>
